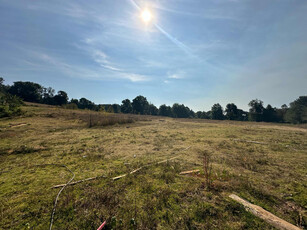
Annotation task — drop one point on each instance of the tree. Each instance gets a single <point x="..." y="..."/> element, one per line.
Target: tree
<point x="203" y="115"/>
<point x="48" y="94"/>
<point x="140" y="105"/>
<point x="27" y="91"/>
<point x="269" y="114"/>
<point x="86" y="104"/>
<point x="110" y="109"/>
<point x="75" y="101"/>
<point x="180" y="111"/>
<point x="281" y="113"/>
<point x="61" y="98"/>
<point x="297" y="113"/>
<point x="199" y="114"/>
<point x="126" y="106"/>
<point x="256" y="110"/>
<point x="217" y="112"/>
<point x="152" y="109"/>
<point x="2" y="86"/>
<point x="165" y="110"/>
<point x="232" y="112"/>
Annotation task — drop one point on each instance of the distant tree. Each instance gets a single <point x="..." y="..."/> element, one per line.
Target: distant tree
<point x="152" y="109"/>
<point x="126" y="106"/>
<point x="242" y="115"/>
<point x="180" y="111"/>
<point x="217" y="112"/>
<point x="140" y="105"/>
<point x="61" y="98"/>
<point x="199" y="114"/>
<point x="47" y="96"/>
<point x="232" y="112"/>
<point x="27" y="91"/>
<point x="297" y="113"/>
<point x="110" y="109"/>
<point x="2" y="86"/>
<point x="165" y="110"/>
<point x="116" y="108"/>
<point x="101" y="108"/>
<point x="270" y="114"/>
<point x="256" y="110"/>
<point x="86" y="104"/>
<point x="281" y="113"/>
<point x="75" y="101"/>
<point x="192" y="114"/>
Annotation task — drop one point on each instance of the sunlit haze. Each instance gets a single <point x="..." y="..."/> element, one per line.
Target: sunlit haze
<point x="146" y="15"/>
<point x="196" y="52"/>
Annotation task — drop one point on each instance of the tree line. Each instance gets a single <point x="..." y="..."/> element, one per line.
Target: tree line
<point x="10" y="97"/>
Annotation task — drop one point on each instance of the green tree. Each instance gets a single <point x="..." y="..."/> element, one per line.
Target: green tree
<point x="270" y="114"/>
<point x="232" y="112"/>
<point x="61" y="98"/>
<point x="180" y="111"/>
<point x="256" y="110"/>
<point x="27" y="91"/>
<point x="110" y="109"/>
<point x="217" y="112"/>
<point x="297" y="113"/>
<point x="126" y="106"/>
<point x="165" y="110"/>
<point x="140" y="105"/>
<point x="116" y="108"/>
<point x="86" y="104"/>
<point x="152" y="109"/>
<point x="2" y="86"/>
<point x="48" y="94"/>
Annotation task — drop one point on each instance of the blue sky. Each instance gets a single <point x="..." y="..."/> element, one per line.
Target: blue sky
<point x="196" y="52"/>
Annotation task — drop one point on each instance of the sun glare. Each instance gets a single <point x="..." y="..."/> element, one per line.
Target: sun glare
<point x="146" y="16"/>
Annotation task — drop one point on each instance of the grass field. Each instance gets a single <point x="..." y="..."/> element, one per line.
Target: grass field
<point x="271" y="173"/>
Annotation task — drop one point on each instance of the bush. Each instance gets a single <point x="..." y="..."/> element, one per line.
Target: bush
<point x="9" y="105"/>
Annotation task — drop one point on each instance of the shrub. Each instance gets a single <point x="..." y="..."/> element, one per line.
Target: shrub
<point x="9" y="105"/>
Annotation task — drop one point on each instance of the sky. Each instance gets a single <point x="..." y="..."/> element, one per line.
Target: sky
<point x="195" y="52"/>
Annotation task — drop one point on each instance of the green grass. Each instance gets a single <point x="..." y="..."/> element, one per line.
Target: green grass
<point x="157" y="197"/>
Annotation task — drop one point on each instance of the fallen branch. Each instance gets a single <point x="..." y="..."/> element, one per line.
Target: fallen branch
<point x="189" y="172"/>
<point x="120" y="176"/>
<point x="79" y="181"/>
<point x="255" y="142"/>
<point x="57" y="197"/>
<point x="138" y="169"/>
<point x="17" y="125"/>
<point x="265" y="215"/>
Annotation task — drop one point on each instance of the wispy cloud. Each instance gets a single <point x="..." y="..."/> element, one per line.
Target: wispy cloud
<point x="102" y="59"/>
<point x="175" y="76"/>
<point x="135" y="77"/>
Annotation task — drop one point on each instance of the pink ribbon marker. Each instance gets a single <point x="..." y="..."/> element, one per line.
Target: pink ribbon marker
<point x="101" y="226"/>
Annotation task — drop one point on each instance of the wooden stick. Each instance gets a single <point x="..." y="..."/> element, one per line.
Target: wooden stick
<point x="189" y="172"/>
<point x="79" y="181"/>
<point x="265" y="215"/>
<point x="255" y="142"/>
<point x="120" y="176"/>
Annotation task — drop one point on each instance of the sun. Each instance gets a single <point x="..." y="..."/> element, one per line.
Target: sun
<point x="146" y="16"/>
